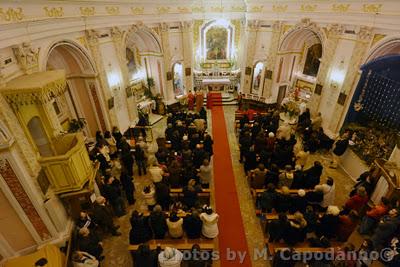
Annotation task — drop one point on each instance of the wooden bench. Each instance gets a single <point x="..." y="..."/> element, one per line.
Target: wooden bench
<point x="257" y="192"/>
<point x="181" y="244"/>
<point x="204" y="194"/>
<point x="300" y="247"/>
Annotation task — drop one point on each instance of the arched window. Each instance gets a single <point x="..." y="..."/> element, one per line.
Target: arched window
<point x="311" y="65"/>
<point x="256" y="83"/>
<point x="177" y="71"/>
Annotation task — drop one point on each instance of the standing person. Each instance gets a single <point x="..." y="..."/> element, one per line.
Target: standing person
<point x="111" y="142"/>
<point x="339" y="147"/>
<point x="208" y="144"/>
<point x="205" y="174"/>
<point x="117" y="136"/>
<point x="199" y="100"/>
<point x="357" y="202"/>
<point x="148" y="194"/>
<point x="386" y="228"/>
<point x="144" y="257"/>
<point x="112" y="191"/>
<point x="127" y="185"/>
<point x="89" y="243"/>
<point x="190" y="98"/>
<point x="329" y="193"/>
<point x="157" y="223"/>
<point x="103" y="217"/>
<point x="372" y="217"/>
<point x="210" y="222"/>
<point x="209" y="100"/>
<point x="126" y="155"/>
<point x="140" y="159"/>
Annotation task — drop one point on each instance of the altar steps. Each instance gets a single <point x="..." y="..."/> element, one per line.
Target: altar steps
<point x="226" y="99"/>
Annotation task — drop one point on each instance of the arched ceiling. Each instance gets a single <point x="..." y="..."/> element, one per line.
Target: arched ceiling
<point x="296" y="39"/>
<point x="144" y="41"/>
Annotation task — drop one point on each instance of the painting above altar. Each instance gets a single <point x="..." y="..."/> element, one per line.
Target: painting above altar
<point x="217" y="43"/>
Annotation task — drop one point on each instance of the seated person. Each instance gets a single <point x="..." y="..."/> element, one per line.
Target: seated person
<point x="347" y="224"/>
<point x="157" y="223"/>
<point x="140" y="229"/>
<point x="174" y="224"/>
<point x="297" y="231"/>
<point x="299" y="202"/>
<point x="278" y="229"/>
<point x="170" y="257"/>
<point x="329" y="222"/>
<point x="284" y="200"/>
<point x="84" y="220"/>
<point x="193" y="225"/>
<point x="144" y="257"/>
<point x="210" y="222"/>
<point x="268" y="198"/>
<point x="316" y="197"/>
<point x="190" y="198"/>
<point x="90" y="243"/>
<point x="257" y="177"/>
<point x="84" y="259"/>
<point x="286" y="177"/>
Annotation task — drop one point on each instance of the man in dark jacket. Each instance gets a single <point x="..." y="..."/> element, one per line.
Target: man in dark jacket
<point x="192" y="225"/>
<point x="163" y="194"/>
<point x="89" y="243"/>
<point x="112" y="191"/>
<point x="140" y="231"/>
<point x="340" y="147"/>
<point x="103" y="217"/>
<point x="157" y="223"/>
<point x="313" y="175"/>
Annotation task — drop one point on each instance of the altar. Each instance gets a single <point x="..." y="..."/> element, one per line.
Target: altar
<point x="216" y="84"/>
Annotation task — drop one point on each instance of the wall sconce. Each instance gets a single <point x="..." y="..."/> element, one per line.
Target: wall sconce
<point x="113" y="79"/>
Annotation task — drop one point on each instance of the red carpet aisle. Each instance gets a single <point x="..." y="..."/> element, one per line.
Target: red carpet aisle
<point x="231" y="237"/>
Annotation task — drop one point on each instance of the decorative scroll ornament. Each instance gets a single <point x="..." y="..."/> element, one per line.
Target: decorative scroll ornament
<point x="308" y="8"/>
<point x="372" y="8"/>
<point x="27" y="57"/>
<point x="137" y="10"/>
<point x="54" y="12"/>
<point x="87" y="11"/>
<point x="116" y="33"/>
<point x="92" y="37"/>
<point x="279" y="8"/>
<point x="256" y="9"/>
<point x="112" y="10"/>
<point x="365" y="33"/>
<point x="341" y="8"/>
<point x="11" y="14"/>
<point x="335" y="29"/>
<point x="163" y="9"/>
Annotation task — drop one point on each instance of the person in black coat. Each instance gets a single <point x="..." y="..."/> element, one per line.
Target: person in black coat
<point x="112" y="191"/>
<point x="340" y="147"/>
<point x="208" y="144"/>
<point x="190" y="198"/>
<point x="272" y="175"/>
<point x="127" y="185"/>
<point x="145" y="257"/>
<point x="268" y="198"/>
<point x="284" y="201"/>
<point x="163" y="194"/>
<point x="140" y="159"/>
<point x="103" y="217"/>
<point x="126" y="155"/>
<point x="315" y="197"/>
<point x="277" y="229"/>
<point x="313" y="175"/>
<point x="298" y="178"/>
<point x="299" y="202"/>
<point x="157" y="223"/>
<point x="199" y="258"/>
<point x="192" y="225"/>
<point x="140" y="231"/>
<point x="244" y="144"/>
<point x="89" y="243"/>
<point x="329" y="223"/>
<point x="363" y="181"/>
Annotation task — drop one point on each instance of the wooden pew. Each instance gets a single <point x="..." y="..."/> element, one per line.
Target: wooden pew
<point x="300" y="247"/>
<point x="204" y="194"/>
<point x="257" y="192"/>
<point x="181" y="244"/>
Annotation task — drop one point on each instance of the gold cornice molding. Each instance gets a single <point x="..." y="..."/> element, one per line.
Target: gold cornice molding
<point x="279" y="8"/>
<point x="372" y="8"/>
<point x="137" y="10"/>
<point x="163" y="9"/>
<point x="340" y="8"/>
<point x="112" y="10"/>
<point x="308" y="8"/>
<point x="87" y="11"/>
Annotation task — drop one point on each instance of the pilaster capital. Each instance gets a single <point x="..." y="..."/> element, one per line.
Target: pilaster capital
<point x="164" y="27"/>
<point x="92" y="37"/>
<point x="187" y="25"/>
<point x="365" y="33"/>
<point x="252" y="25"/>
<point x="335" y="29"/>
<point x="116" y="33"/>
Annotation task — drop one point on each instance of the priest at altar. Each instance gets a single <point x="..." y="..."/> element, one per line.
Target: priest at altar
<point x="199" y="100"/>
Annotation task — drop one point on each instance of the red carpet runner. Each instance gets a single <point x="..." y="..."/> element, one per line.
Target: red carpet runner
<point x="232" y="237"/>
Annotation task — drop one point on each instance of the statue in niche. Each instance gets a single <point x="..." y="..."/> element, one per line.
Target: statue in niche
<point x="311" y="65"/>
<point x="216" y="43"/>
<point x="178" y="84"/>
<point x="257" y="77"/>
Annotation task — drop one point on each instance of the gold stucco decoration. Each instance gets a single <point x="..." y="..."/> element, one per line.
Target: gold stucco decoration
<point x="112" y="10"/>
<point x="87" y="11"/>
<point x="308" y="8"/>
<point x="137" y="10"/>
<point x="341" y="8"/>
<point x="279" y="8"/>
<point x="54" y="12"/>
<point x="372" y="8"/>
<point x="11" y="14"/>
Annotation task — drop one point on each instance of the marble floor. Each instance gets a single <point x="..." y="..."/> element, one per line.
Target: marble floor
<point x="115" y="248"/>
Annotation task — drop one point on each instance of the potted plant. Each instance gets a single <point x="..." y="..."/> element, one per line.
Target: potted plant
<point x="76" y="125"/>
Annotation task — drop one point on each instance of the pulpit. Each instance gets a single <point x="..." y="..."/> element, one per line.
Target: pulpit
<point x="387" y="175"/>
<point x="63" y="158"/>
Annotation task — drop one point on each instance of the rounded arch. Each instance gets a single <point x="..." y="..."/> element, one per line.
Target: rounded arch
<point x="77" y="50"/>
<point x="295" y="38"/>
<point x="387" y="46"/>
<point x="144" y="39"/>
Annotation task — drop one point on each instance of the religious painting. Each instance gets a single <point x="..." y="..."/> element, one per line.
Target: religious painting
<point x="311" y="65"/>
<point x="177" y="70"/>
<point x="256" y="82"/>
<point x="131" y="62"/>
<point x="248" y="71"/>
<point x="217" y="43"/>
<point x="188" y="71"/>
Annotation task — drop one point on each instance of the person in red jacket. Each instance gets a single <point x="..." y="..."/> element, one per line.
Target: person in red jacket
<point x="372" y="217"/>
<point x="356" y="202"/>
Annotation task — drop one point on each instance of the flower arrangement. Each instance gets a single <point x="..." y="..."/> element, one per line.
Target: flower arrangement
<point x="76" y="125"/>
<point x="291" y="108"/>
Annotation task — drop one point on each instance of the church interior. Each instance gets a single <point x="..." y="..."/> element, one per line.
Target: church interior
<point x="199" y="133"/>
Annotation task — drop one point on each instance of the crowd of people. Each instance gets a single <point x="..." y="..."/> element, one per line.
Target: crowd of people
<point x="179" y="160"/>
<point x="274" y="155"/>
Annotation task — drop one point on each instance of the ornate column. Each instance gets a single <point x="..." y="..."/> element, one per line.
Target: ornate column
<point x="364" y="37"/>
<point x="117" y="37"/>
<point x="251" y="32"/>
<point x="329" y="48"/>
<point x="24" y="148"/>
<point x="187" y="37"/>
<point x="169" y="90"/>
<point x="93" y="43"/>
<point x="272" y="56"/>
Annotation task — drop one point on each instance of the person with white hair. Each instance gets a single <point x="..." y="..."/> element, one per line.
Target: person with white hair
<point x="329" y="193"/>
<point x="329" y="223"/>
<point x="103" y="217"/>
<point x="170" y="257"/>
<point x="89" y="243"/>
